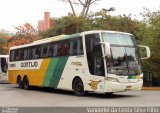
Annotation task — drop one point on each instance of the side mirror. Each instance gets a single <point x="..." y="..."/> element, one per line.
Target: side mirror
<point x="147" y="51"/>
<point x="107" y="51"/>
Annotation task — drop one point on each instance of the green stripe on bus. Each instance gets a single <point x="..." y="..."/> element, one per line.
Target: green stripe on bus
<point x="131" y="77"/>
<point x="49" y="73"/>
<point x="57" y="72"/>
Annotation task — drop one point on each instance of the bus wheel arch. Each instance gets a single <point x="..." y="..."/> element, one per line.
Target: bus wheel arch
<point x="19" y="81"/>
<point x="26" y="82"/>
<point x="78" y="86"/>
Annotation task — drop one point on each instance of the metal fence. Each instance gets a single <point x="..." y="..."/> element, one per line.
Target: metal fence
<point x="151" y="80"/>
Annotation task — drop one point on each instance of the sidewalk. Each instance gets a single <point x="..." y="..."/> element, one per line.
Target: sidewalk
<point x="150" y="88"/>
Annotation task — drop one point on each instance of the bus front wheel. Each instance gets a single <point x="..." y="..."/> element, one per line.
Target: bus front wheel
<point x="78" y="87"/>
<point x="26" y="83"/>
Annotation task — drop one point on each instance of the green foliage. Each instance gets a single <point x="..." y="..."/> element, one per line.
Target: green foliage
<point x="66" y="25"/>
<point x="151" y="38"/>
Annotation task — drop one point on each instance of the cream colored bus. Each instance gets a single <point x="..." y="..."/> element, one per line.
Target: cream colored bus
<point x="91" y="61"/>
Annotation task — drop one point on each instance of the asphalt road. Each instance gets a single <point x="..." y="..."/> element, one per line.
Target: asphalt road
<point x="11" y="95"/>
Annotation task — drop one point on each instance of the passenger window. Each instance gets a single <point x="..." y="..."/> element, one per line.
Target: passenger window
<point x="12" y="55"/>
<point x="25" y="54"/>
<point x="21" y="54"/>
<point x="45" y="50"/>
<point x="56" y="47"/>
<point x="37" y="52"/>
<point x="63" y="49"/>
<point x="73" y="47"/>
<point x="16" y="55"/>
<point x="32" y="53"/>
<point x="79" y="47"/>
<point x="51" y="50"/>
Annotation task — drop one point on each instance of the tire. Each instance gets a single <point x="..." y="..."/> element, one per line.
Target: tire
<point x="78" y="87"/>
<point x="19" y="82"/>
<point x="109" y="94"/>
<point x="26" y="83"/>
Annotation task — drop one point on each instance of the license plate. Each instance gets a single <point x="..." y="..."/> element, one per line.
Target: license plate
<point x="128" y="87"/>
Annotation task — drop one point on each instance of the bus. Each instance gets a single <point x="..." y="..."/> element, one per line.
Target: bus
<point x="3" y="68"/>
<point x="98" y="61"/>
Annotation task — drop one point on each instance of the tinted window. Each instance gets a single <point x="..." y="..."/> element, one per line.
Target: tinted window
<point x="94" y="54"/>
<point x="61" y="48"/>
<point x="45" y="49"/>
<point x="25" y="54"/>
<point x="16" y="55"/>
<point x="75" y="46"/>
<point x="12" y="55"/>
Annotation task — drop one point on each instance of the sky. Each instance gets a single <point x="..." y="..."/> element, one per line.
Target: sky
<point x="17" y="12"/>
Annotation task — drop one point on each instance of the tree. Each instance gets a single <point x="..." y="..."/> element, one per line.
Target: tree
<point x="67" y="25"/>
<point x="4" y="37"/>
<point x="150" y="35"/>
<point x="26" y="31"/>
<point x="84" y="3"/>
<point x="25" y="34"/>
<point x="71" y="24"/>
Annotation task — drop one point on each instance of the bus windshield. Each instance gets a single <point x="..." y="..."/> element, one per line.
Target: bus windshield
<point x="124" y="58"/>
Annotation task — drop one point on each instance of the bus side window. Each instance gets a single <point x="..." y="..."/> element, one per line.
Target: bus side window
<point x="56" y="46"/>
<point x="16" y="55"/>
<point x="21" y="54"/>
<point x="63" y="48"/>
<point x="12" y="55"/>
<point x="31" y="52"/>
<point x="45" y="50"/>
<point x="51" y="50"/>
<point x="37" y="52"/>
<point x="68" y="47"/>
<point x="73" y="47"/>
<point x="79" y="46"/>
<point x="25" y="53"/>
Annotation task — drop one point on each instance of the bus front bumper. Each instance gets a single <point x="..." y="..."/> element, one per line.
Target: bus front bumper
<point x="120" y="87"/>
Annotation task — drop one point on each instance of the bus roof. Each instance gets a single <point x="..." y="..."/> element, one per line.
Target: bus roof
<point x="63" y="37"/>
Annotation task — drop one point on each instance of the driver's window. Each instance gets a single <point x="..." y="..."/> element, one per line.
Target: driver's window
<point x="94" y="54"/>
<point x="98" y="61"/>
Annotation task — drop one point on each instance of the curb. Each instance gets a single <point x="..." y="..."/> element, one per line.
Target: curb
<point x="150" y="88"/>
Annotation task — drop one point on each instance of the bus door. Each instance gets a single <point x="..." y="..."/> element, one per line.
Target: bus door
<point x="3" y="68"/>
<point x="95" y="78"/>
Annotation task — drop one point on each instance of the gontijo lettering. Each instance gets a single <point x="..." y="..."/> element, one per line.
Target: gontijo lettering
<point x="29" y="64"/>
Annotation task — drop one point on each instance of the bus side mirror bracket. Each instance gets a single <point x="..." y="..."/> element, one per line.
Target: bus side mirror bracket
<point x="147" y="50"/>
<point x="107" y="50"/>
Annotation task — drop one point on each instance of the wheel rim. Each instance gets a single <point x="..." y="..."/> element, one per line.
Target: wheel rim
<point x="79" y="87"/>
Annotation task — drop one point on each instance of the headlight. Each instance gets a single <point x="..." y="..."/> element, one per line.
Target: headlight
<point x="112" y="79"/>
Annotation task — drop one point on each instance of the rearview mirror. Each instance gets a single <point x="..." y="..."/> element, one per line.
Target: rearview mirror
<point x="107" y="51"/>
<point x="148" y="52"/>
